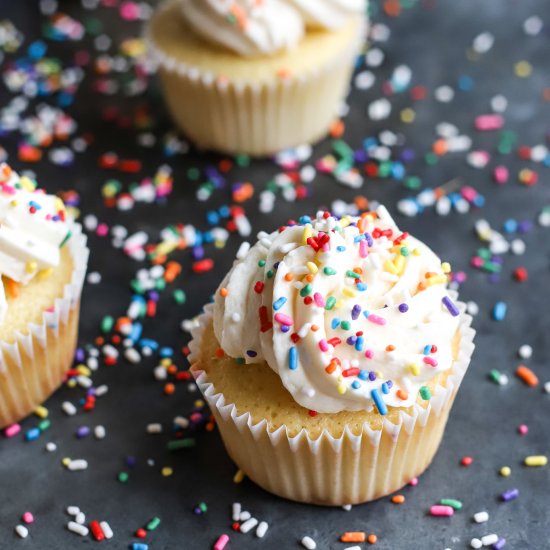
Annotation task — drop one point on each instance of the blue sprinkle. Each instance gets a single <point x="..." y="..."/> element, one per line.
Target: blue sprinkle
<point x="370" y="241"/>
<point x="356" y="385"/>
<point x="341" y="248"/>
<point x="385" y="388"/>
<point x="363" y="375"/>
<point x="361" y="287"/>
<point x="335" y="323"/>
<point x="359" y="343"/>
<point x="32" y="434"/>
<point x="499" y="311"/>
<point x="278" y="304"/>
<point x="166" y="352"/>
<point x="379" y="402"/>
<point x="293" y="358"/>
<point x="427" y="349"/>
<point x="366" y="314"/>
<point x="285" y="328"/>
<point x="359" y="238"/>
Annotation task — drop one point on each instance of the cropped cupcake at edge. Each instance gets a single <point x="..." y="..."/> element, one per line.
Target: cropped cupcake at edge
<point x="43" y="258"/>
<point x="255" y="77"/>
<point x="331" y="358"/>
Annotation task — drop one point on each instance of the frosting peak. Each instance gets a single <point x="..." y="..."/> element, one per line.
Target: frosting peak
<point x="33" y="227"/>
<point x="246" y="27"/>
<point x="328" y="14"/>
<point x="351" y="313"/>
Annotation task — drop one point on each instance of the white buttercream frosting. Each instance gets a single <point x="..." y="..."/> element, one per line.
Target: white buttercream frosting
<point x="33" y="227"/>
<point x="349" y="313"/>
<point x="328" y="14"/>
<point x="246" y="27"/>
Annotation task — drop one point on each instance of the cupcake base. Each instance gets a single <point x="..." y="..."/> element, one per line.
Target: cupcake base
<point x="359" y="464"/>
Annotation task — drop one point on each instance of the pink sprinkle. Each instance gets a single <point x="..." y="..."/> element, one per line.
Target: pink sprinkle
<point x="319" y="300"/>
<point x="326" y="247"/>
<point x="413" y="482"/>
<point x="221" y="543"/>
<point x="363" y="248"/>
<point x="377" y="320"/>
<point x="438" y="510"/>
<point x="129" y="11"/>
<point x="469" y="193"/>
<point x="283" y="319"/>
<point x="323" y="345"/>
<point x="477" y="261"/>
<point x="102" y="230"/>
<point x="12" y="430"/>
<point x="489" y="122"/>
<point x="430" y="361"/>
<point x="523" y="429"/>
<point x="28" y="517"/>
<point x="369" y="354"/>
<point x="500" y="174"/>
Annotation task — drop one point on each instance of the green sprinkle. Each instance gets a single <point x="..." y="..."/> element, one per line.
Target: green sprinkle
<point x="66" y="238"/>
<point x="270" y="274"/>
<point x="346" y="325"/>
<point x="413" y="182"/>
<point x="177" y="444"/>
<point x="179" y="296"/>
<point x="160" y="284"/>
<point x="384" y="169"/>
<point x="136" y="286"/>
<point x="484" y="253"/>
<point x="329" y="271"/>
<point x="242" y="160"/>
<point x="431" y="159"/>
<point x="455" y="504"/>
<point x="240" y="360"/>
<point x="261" y="263"/>
<point x="123" y="477"/>
<point x="153" y="524"/>
<point x="404" y="251"/>
<point x="495" y="375"/>
<point x="107" y="324"/>
<point x="491" y="267"/>
<point x="425" y="393"/>
<point x="352" y="274"/>
<point x="306" y="290"/>
<point x="202" y="507"/>
<point x="43" y="425"/>
<point x="193" y="174"/>
<point x="331" y="302"/>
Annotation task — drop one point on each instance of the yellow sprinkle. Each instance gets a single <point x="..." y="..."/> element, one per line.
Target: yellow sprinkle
<point x="417" y="252"/>
<point x="59" y="205"/>
<point x="167" y="471"/>
<point x="83" y="369"/>
<point x="238" y="477"/>
<point x="41" y="412"/>
<point x="219" y="244"/>
<point x="44" y="273"/>
<point x="166" y="362"/>
<point x="14" y="203"/>
<point x="505" y="471"/>
<point x="199" y="403"/>
<point x="71" y="383"/>
<point x="436" y="280"/>
<point x="446" y="267"/>
<point x="165" y="248"/>
<point x="349" y="292"/>
<point x="523" y="69"/>
<point x="537" y="460"/>
<point x="399" y="263"/>
<point x="390" y="267"/>
<point x="414" y="369"/>
<point x="312" y="267"/>
<point x="338" y="304"/>
<point x="345" y="221"/>
<point x="308" y="232"/>
<point x="341" y="389"/>
<point x="65" y="461"/>
<point x="408" y="115"/>
<point x="31" y="267"/>
<point x="27" y="184"/>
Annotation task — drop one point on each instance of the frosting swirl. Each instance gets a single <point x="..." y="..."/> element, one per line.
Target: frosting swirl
<point x="350" y="313"/>
<point x="33" y="227"/>
<point x="328" y="14"/>
<point x="246" y="27"/>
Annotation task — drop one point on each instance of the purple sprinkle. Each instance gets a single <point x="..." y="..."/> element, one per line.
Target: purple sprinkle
<point x="285" y="328"/>
<point x="131" y="461"/>
<point x="251" y="353"/>
<point x="509" y="495"/>
<point x="499" y="544"/>
<point x="403" y="308"/>
<point x="351" y="340"/>
<point x="389" y="383"/>
<point x="356" y="310"/>
<point x="368" y="237"/>
<point x="448" y="303"/>
<point x="494" y="278"/>
<point x="83" y="431"/>
<point x="525" y="226"/>
<point x="79" y="355"/>
<point x="372" y="376"/>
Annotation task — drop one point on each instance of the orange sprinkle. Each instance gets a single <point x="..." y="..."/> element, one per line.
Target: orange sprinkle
<point x="392" y="8"/>
<point x="402" y="394"/>
<point x="172" y="369"/>
<point x="314" y="328"/>
<point x="421" y="286"/>
<point x="173" y="269"/>
<point x="430" y="274"/>
<point x="220" y="353"/>
<point x="289" y="277"/>
<point x="390" y="347"/>
<point x="361" y="202"/>
<point x="12" y="288"/>
<point x="362" y="225"/>
<point x="440" y="147"/>
<point x="546" y="94"/>
<point x="358" y="270"/>
<point x="527" y="375"/>
<point x="398" y="499"/>
<point x="99" y="341"/>
<point x="337" y="129"/>
<point x="331" y="367"/>
<point x="284" y="73"/>
<point x="169" y="388"/>
<point x="372" y="539"/>
<point x="353" y="536"/>
<point x="223" y="292"/>
<point x="309" y="278"/>
<point x="225" y="164"/>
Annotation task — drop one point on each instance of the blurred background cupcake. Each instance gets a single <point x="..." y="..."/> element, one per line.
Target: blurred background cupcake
<point x="256" y="76"/>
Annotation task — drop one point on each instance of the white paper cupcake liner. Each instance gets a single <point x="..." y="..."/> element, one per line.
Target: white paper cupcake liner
<point x="33" y="366"/>
<point x="328" y="470"/>
<point x="241" y="116"/>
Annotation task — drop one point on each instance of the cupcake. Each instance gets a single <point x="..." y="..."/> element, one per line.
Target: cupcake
<point x="331" y="358"/>
<point x="255" y="77"/>
<point x="43" y="259"/>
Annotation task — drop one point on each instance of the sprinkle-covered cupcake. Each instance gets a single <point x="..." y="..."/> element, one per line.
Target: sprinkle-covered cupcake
<point x="43" y="259"/>
<point x="331" y="358"/>
<point x="255" y="77"/>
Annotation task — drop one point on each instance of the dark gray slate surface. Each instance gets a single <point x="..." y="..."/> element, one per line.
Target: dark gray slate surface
<point x="432" y="39"/>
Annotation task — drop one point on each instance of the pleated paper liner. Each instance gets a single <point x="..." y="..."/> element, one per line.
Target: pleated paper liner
<point x="328" y="470"/>
<point x="249" y="117"/>
<point x="34" y="365"/>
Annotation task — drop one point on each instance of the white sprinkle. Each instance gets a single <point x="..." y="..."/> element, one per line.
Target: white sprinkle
<point x="236" y="511"/>
<point x="78" y="464"/>
<point x="547" y="387"/>
<point x="353" y="548"/>
<point x="364" y="80"/>
<point x="132" y="355"/>
<point x="106" y="528"/>
<point x="248" y="525"/>
<point x="80" y="518"/>
<point x="243" y="250"/>
<point x="476" y="543"/>
<point x="483" y="42"/>
<point x="94" y="278"/>
<point x="347" y="507"/>
<point x="487" y="540"/>
<point x="262" y="529"/>
<point x="518" y="247"/>
<point x="525" y="351"/>
<point x="503" y="380"/>
<point x="379" y="109"/>
<point x="181" y="422"/>
<point x="235" y="317"/>
<point x="499" y="103"/>
<point x="22" y="531"/>
<point x="532" y="25"/>
<point x="472" y="308"/>
<point x="309" y="543"/>
<point x="68" y="408"/>
<point x="481" y="517"/>
<point x="101" y="390"/>
<point x="374" y="57"/>
<point x="51" y="447"/>
<point x="160" y="373"/>
<point x="73" y="510"/>
<point x="81" y="530"/>
<point x="444" y="94"/>
<point x="245" y="516"/>
<point x="154" y="428"/>
<point x="100" y="432"/>
<point x="84" y="381"/>
<point x="446" y="130"/>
